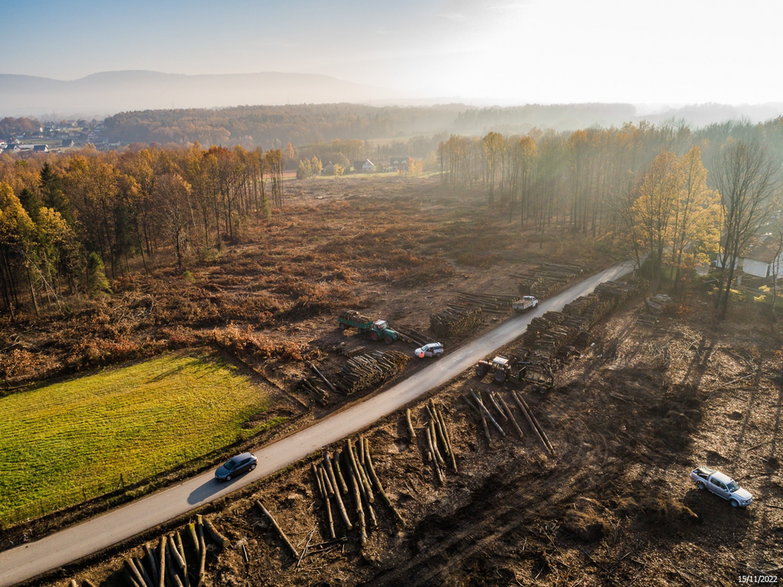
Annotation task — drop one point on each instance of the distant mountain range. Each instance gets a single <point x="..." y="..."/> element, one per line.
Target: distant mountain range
<point x="109" y="92"/>
<point x="112" y="92"/>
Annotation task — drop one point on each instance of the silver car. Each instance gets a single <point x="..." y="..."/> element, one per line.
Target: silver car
<point x="433" y="349"/>
<point x="722" y="485"/>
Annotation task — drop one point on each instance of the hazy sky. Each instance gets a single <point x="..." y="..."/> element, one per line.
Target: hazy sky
<point x="645" y="51"/>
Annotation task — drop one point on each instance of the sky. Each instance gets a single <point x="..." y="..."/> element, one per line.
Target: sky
<point x="497" y="51"/>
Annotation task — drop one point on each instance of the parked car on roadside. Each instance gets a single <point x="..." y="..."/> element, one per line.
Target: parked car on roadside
<point x="721" y="485"/>
<point x="236" y="465"/>
<point x="433" y="349"/>
<point x="524" y="303"/>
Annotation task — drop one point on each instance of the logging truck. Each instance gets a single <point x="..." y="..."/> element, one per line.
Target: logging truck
<point x="376" y="329"/>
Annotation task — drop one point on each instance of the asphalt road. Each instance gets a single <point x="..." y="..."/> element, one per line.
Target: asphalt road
<point x="76" y="542"/>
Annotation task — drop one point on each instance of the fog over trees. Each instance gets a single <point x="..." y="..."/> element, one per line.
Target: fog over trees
<point x="674" y="195"/>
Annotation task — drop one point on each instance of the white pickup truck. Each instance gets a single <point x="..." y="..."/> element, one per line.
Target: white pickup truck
<point x="524" y="303"/>
<point x="722" y="485"/>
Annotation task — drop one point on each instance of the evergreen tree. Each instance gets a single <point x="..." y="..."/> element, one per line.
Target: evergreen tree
<point x="97" y="282"/>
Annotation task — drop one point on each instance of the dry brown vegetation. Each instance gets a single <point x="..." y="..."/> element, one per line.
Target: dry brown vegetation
<point x="647" y="400"/>
<point x="332" y="247"/>
<point x="628" y="419"/>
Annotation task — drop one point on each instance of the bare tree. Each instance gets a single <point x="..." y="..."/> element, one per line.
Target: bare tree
<point x="745" y="177"/>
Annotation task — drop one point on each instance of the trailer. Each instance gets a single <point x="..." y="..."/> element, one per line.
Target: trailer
<point x="375" y="329"/>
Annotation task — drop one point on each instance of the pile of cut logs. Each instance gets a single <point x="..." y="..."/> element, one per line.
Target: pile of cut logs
<point x="317" y="385"/>
<point x="483" y="405"/>
<point x="546" y="279"/>
<point x="548" y="335"/>
<point x="455" y="321"/>
<point x="491" y="303"/>
<point x="348" y="482"/>
<point x="438" y="449"/>
<point x="176" y="561"/>
<point x="617" y="289"/>
<point x="370" y="369"/>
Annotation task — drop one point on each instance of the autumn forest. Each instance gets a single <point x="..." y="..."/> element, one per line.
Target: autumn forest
<point x="677" y="196"/>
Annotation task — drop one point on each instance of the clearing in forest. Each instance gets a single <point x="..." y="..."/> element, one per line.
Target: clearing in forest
<point x="66" y="442"/>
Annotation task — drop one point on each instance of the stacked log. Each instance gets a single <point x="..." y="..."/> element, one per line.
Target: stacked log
<point x="411" y="335"/>
<point x="620" y="290"/>
<point x="171" y="563"/>
<point x="563" y="268"/>
<point x="546" y="279"/>
<point x="349" y="477"/>
<point x="438" y="449"/>
<point x="550" y="337"/>
<point x="370" y="369"/>
<point x="354" y="316"/>
<point x="455" y="321"/>
<point x="542" y="324"/>
<point x="313" y="387"/>
<point x="491" y="303"/>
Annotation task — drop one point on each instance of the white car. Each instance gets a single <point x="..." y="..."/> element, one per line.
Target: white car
<point x="722" y="485"/>
<point x="524" y="303"/>
<point x="433" y="349"/>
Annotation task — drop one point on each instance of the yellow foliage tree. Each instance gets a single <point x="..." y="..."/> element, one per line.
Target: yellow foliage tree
<point x="676" y="212"/>
<point x="696" y="223"/>
<point x="654" y="208"/>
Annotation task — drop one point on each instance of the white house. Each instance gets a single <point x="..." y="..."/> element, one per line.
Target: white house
<point x="760" y="259"/>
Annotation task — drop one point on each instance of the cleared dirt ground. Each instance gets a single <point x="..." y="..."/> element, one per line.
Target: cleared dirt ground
<point x="628" y="420"/>
<point x="391" y="247"/>
<point x="648" y="399"/>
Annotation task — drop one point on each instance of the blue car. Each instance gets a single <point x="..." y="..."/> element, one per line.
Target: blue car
<point x="237" y="465"/>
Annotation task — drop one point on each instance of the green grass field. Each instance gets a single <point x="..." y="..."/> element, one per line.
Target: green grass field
<point x="64" y="442"/>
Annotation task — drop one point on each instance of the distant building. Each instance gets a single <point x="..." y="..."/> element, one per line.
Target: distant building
<point x="398" y="164"/>
<point x="40" y="148"/>
<point x="762" y="259"/>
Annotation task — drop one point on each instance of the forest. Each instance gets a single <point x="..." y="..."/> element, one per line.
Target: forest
<point x="69" y="223"/>
<point x="675" y="196"/>
<point x="672" y="195"/>
<point x="275" y="126"/>
<point x="300" y="124"/>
